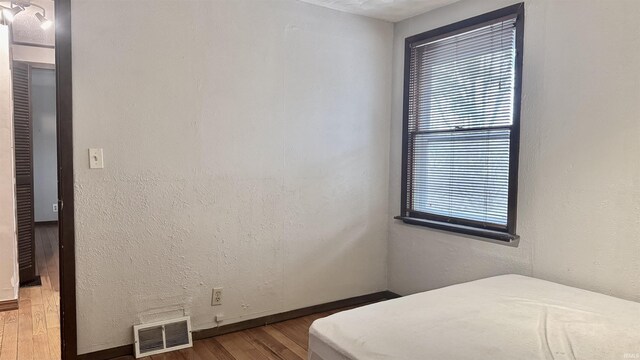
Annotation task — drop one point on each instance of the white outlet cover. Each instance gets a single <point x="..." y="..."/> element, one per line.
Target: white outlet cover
<point x="216" y="299"/>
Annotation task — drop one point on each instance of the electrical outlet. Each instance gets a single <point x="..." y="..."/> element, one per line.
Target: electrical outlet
<point x="216" y="296"/>
<point x="55" y="207"/>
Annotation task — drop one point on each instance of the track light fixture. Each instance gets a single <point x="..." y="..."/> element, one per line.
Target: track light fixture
<point x="44" y="22"/>
<point x="8" y="13"/>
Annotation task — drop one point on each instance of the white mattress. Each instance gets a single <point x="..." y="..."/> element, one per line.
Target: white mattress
<point x="505" y="317"/>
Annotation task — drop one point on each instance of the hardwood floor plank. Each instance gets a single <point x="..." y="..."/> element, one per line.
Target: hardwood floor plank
<point x="46" y="283"/>
<point x="41" y="347"/>
<point x="53" y="335"/>
<point x="240" y="347"/>
<point x="201" y="349"/>
<point x="51" y="309"/>
<point x="39" y="321"/>
<point x="10" y="336"/>
<point x="50" y="289"/>
<point x="217" y="351"/>
<point x="23" y="295"/>
<point x="50" y="297"/>
<point x="283" y="339"/>
<point x="53" y="236"/>
<point x="168" y="356"/>
<point x="190" y="354"/>
<point x="41" y="260"/>
<point x="269" y="346"/>
<point x="25" y="331"/>
<point x="35" y="295"/>
<point x="297" y="331"/>
<point x="50" y="238"/>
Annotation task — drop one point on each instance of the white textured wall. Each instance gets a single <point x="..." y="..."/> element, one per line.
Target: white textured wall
<point x="8" y="245"/>
<point x="579" y="183"/>
<point x="45" y="162"/>
<point x="246" y="146"/>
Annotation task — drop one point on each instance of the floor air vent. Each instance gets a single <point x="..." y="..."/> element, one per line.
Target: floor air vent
<point x="163" y="336"/>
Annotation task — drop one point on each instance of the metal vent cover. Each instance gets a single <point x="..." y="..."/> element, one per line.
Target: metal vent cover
<point x="162" y="336"/>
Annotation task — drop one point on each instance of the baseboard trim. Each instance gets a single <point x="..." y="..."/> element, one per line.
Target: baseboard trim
<point x="8" y="305"/>
<point x="248" y="324"/>
<point x="288" y="315"/>
<point x="107" y="354"/>
<point x="37" y="281"/>
<point x="391" y="295"/>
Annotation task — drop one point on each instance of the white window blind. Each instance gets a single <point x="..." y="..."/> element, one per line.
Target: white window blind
<point x="460" y="118"/>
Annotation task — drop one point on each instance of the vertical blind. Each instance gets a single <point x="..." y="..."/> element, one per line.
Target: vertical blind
<point x="460" y="117"/>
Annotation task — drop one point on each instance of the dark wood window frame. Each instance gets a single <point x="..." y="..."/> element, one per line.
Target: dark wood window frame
<point x="484" y="230"/>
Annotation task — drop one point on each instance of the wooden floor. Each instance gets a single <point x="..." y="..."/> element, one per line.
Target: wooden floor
<point x="33" y="331"/>
<point x="286" y="340"/>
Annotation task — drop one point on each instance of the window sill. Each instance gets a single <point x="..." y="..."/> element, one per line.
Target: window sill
<point x="502" y="237"/>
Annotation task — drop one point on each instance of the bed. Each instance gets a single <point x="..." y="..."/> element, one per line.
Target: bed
<point x="504" y="317"/>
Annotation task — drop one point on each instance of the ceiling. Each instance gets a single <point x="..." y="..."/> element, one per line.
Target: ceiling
<point x="26" y="27"/>
<point x="390" y="10"/>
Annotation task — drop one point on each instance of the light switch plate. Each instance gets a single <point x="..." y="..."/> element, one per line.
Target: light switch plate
<point x="96" y="159"/>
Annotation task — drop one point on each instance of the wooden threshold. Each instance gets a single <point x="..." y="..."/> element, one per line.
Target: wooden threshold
<point x="46" y="223"/>
<point x="8" y="305"/>
<point x="126" y="350"/>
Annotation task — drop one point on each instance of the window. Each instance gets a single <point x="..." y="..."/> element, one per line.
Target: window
<point x="461" y="125"/>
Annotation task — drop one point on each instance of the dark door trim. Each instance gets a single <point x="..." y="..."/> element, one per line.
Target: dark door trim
<point x="68" y="329"/>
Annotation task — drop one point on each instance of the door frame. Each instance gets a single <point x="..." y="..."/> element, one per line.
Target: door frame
<point x="66" y="228"/>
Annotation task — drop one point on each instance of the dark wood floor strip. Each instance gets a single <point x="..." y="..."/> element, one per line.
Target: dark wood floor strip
<point x="296" y="331"/>
<point x="218" y="350"/>
<point x="267" y="343"/>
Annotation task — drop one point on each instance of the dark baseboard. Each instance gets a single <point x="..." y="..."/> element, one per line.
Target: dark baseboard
<point x="248" y="324"/>
<point x="46" y="223"/>
<point x="9" y="305"/>
<point x="288" y="315"/>
<point x="37" y="281"/>
<point x="391" y="295"/>
<point x="107" y="354"/>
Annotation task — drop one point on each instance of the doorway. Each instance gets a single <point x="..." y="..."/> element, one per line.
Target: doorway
<point x="44" y="325"/>
<point x="35" y="148"/>
<point x="37" y="321"/>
